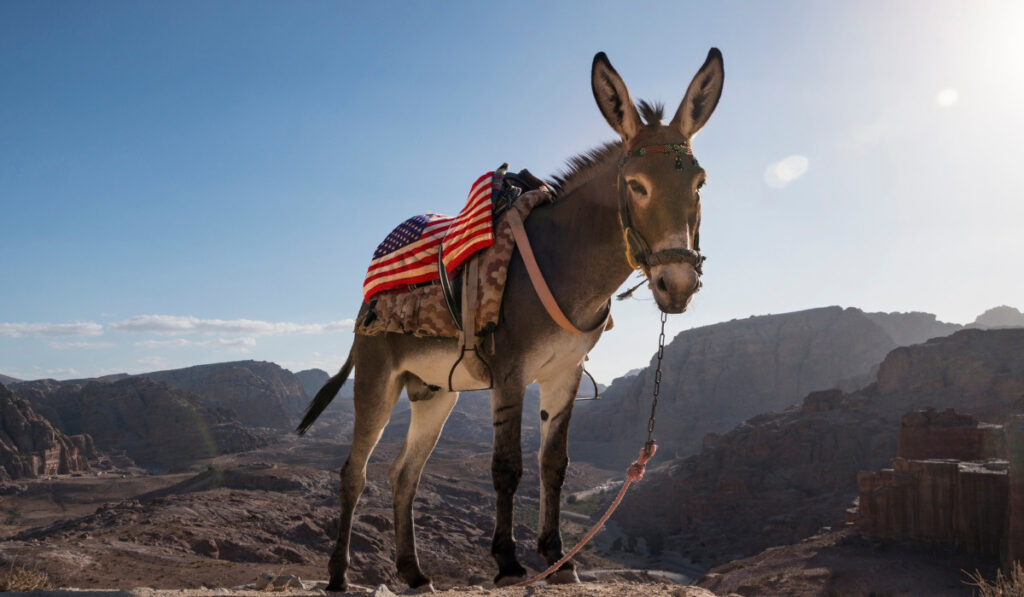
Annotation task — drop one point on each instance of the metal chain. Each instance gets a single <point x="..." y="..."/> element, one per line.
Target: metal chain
<point x="657" y="378"/>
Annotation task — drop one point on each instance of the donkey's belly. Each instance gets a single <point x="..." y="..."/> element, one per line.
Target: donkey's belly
<point x="432" y="361"/>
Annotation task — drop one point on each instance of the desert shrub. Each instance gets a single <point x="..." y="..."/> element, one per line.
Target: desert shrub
<point x="1009" y="585"/>
<point x="14" y="577"/>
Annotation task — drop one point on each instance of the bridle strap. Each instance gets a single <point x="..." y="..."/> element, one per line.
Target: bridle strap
<point x="638" y="251"/>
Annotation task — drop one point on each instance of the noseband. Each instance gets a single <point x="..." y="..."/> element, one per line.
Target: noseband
<point x="638" y="251"/>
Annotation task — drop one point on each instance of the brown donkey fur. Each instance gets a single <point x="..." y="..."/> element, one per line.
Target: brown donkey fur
<point x="578" y="240"/>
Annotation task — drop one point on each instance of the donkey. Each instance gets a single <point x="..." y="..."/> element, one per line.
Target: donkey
<point x="629" y="204"/>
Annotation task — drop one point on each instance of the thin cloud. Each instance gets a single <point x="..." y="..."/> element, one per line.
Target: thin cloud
<point x="176" y="324"/>
<point x="229" y="342"/>
<point x="78" y="328"/>
<point x="80" y="345"/>
<point x="161" y="343"/>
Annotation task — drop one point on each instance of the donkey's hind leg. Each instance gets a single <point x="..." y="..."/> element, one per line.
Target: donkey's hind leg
<point x="376" y="391"/>
<point x="430" y="409"/>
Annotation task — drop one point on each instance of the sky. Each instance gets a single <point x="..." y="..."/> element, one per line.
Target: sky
<point x="195" y="182"/>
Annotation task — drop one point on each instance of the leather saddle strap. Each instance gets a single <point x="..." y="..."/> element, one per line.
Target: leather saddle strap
<point x="537" y="278"/>
<point x="469" y="298"/>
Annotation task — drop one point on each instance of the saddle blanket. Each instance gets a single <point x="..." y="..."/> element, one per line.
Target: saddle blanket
<point x="408" y="255"/>
<point x="422" y="311"/>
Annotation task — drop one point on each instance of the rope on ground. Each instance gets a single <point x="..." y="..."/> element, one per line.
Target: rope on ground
<point x="634" y="473"/>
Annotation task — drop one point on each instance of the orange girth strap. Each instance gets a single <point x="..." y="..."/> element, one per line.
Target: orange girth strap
<point x="537" y="278"/>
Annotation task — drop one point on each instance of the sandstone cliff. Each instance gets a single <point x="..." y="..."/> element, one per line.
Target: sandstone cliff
<point x="779" y="477"/>
<point x="718" y="375"/>
<point x="259" y="394"/>
<point x="31" y="447"/>
<point x="157" y="426"/>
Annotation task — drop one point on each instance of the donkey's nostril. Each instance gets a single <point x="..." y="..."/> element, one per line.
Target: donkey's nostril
<point x="661" y="285"/>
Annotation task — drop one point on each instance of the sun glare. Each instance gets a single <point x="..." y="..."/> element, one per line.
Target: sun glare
<point x="947" y="97"/>
<point x="785" y="171"/>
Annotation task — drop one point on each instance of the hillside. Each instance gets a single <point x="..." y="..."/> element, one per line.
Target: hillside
<point x="159" y="427"/>
<point x="779" y="477"/>
<point x="718" y="375"/>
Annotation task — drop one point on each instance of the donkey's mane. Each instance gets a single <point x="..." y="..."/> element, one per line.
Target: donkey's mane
<point x="579" y="166"/>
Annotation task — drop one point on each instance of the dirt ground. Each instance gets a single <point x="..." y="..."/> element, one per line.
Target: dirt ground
<point x="596" y="589"/>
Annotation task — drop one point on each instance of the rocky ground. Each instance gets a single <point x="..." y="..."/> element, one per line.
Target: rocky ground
<point x="271" y="510"/>
<point x="839" y="562"/>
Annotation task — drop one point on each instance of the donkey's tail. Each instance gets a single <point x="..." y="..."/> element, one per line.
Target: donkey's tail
<point x="324" y="396"/>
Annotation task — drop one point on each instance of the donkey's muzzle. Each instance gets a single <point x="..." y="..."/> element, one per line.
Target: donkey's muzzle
<point x="673" y="285"/>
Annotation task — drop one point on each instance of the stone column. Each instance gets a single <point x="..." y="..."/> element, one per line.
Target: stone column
<point x="1015" y="511"/>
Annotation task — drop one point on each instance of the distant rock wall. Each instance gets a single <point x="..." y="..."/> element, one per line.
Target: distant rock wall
<point x="937" y="501"/>
<point x="258" y="393"/>
<point x="719" y="375"/>
<point x="31" y="447"/>
<point x="929" y="434"/>
<point x="1015" y="514"/>
<point x="966" y="490"/>
<point x="159" y="427"/>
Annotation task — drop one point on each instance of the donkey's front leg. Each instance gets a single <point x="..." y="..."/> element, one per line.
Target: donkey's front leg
<point x="556" y="402"/>
<point x="506" y="471"/>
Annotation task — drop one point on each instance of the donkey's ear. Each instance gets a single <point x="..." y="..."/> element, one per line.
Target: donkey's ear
<point x="613" y="98"/>
<point x="701" y="97"/>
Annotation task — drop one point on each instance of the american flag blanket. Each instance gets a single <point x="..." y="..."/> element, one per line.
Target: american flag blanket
<point x="408" y="255"/>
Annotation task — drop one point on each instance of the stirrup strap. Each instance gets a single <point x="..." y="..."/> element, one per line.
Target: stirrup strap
<point x="537" y="278"/>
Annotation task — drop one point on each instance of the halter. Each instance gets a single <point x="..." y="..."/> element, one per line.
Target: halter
<point x="638" y="251"/>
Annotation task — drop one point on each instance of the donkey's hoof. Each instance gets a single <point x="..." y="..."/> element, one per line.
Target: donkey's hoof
<point x="337" y="587"/>
<point x="428" y="587"/>
<point x="563" y="577"/>
<point x="508" y="581"/>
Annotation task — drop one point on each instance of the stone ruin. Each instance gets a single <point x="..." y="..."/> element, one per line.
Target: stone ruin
<point x="955" y="481"/>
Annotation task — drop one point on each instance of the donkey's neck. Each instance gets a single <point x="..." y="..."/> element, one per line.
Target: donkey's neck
<point x="578" y="242"/>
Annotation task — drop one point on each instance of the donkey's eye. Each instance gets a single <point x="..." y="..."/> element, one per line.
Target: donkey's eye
<point x="637" y="187"/>
<point x="700" y="185"/>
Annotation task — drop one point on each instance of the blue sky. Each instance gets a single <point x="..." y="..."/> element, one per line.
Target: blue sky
<point x="194" y="182"/>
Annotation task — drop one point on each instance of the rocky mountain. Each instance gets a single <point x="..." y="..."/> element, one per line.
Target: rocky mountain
<point x="999" y="317"/>
<point x="30" y="446"/>
<point x="718" y="375"/>
<point x="158" y="426"/>
<point x="778" y="477"/>
<point x="258" y="393"/>
<point x="8" y="380"/>
<point x="314" y="379"/>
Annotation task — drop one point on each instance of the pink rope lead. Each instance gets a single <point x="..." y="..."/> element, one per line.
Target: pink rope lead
<point x="634" y="473"/>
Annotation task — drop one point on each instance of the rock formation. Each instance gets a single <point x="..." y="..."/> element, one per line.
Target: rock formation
<point x="30" y="446"/>
<point x="260" y="394"/>
<point x="157" y="426"/>
<point x="7" y="380"/>
<point x="1015" y="527"/>
<point x="951" y="502"/>
<point x="779" y="477"/>
<point x="999" y="317"/>
<point x="718" y="375"/>
<point x="927" y="434"/>
<point x="949" y="484"/>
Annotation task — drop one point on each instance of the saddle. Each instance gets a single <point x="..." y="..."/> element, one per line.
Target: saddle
<point x="464" y="303"/>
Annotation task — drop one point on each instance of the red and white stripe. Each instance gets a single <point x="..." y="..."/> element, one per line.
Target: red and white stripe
<point x="462" y="235"/>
